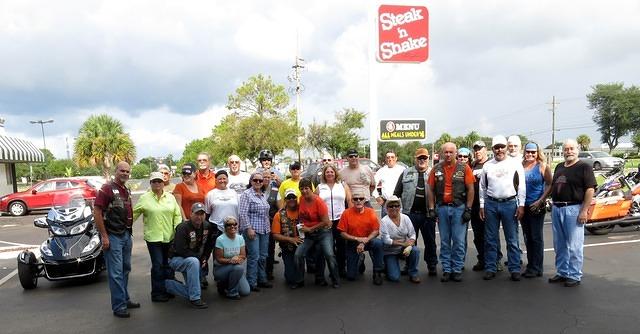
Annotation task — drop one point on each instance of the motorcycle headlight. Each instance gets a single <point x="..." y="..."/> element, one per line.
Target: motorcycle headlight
<point x="93" y="243"/>
<point x="79" y="228"/>
<point x="86" y="212"/>
<point x="44" y="249"/>
<point x="58" y="230"/>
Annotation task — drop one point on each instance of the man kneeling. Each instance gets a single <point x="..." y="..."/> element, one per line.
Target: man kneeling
<point x="359" y="225"/>
<point x="191" y="247"/>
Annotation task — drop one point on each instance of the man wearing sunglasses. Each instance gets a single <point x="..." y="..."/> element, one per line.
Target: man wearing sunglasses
<point x="411" y="189"/>
<point x="359" y="226"/>
<point x="266" y="164"/>
<point x="205" y="177"/>
<point x="502" y="196"/>
<point x="358" y="177"/>
<point x="189" y="251"/>
<point x="451" y="194"/>
<point x="238" y="180"/>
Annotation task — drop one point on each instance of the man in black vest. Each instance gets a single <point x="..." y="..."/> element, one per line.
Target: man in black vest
<point x="451" y="189"/>
<point x="114" y="218"/>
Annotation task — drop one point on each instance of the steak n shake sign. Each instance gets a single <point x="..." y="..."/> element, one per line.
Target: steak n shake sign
<point x="403" y="33"/>
<point x="406" y="129"/>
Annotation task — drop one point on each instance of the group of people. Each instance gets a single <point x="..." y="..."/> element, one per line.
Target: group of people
<point x="328" y="220"/>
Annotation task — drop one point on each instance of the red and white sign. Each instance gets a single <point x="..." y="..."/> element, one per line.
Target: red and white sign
<point x="403" y="33"/>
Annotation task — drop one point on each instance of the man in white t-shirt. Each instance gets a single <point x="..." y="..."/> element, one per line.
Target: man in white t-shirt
<point x="238" y="180"/>
<point x="387" y="177"/>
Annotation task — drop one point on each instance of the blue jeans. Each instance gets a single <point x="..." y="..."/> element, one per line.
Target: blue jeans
<point x="496" y="212"/>
<point x="118" y="261"/>
<point x="160" y="270"/>
<point x="374" y="246"/>
<point x="392" y="264"/>
<point x="291" y="273"/>
<point x="453" y="237"/>
<point x="428" y="230"/>
<point x="257" y="252"/>
<point x="568" y="241"/>
<point x="532" y="230"/>
<point x="204" y="271"/>
<point x="190" y="269"/>
<point x="232" y="277"/>
<point x="324" y="238"/>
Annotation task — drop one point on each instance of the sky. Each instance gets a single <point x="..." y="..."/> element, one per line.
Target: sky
<point x="165" y="68"/>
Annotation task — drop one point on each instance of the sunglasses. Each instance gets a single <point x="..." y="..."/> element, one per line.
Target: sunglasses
<point x="393" y="206"/>
<point x="352" y="156"/>
<point x="234" y="162"/>
<point x="477" y="148"/>
<point x="423" y="157"/>
<point x="463" y="156"/>
<point x="358" y="199"/>
<point x="257" y="180"/>
<point x="531" y="152"/>
<point x="156" y="181"/>
<point x="291" y="198"/>
<point x="231" y="225"/>
<point x="499" y="147"/>
<point x="326" y="160"/>
<point x="295" y="168"/>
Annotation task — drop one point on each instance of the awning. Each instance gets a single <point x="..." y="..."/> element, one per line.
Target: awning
<point x="19" y="150"/>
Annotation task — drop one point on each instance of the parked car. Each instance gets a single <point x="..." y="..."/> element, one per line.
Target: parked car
<point x="50" y="193"/>
<point x="600" y="160"/>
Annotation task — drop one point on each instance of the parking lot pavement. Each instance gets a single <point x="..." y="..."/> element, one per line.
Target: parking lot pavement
<point x="606" y="302"/>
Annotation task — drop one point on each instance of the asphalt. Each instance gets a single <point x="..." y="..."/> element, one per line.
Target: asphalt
<point x="606" y="301"/>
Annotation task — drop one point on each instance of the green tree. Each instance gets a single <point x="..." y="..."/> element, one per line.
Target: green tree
<point x="584" y="141"/>
<point x="260" y="96"/>
<point x="60" y="168"/>
<point x="444" y="138"/>
<point x="343" y="135"/>
<point x="140" y="171"/>
<point x="150" y="162"/>
<point x="616" y="110"/>
<point x="316" y="136"/>
<point x="196" y="146"/>
<point x="102" y="143"/>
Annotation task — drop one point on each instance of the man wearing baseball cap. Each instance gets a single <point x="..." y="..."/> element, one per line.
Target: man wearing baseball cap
<point x="291" y="183"/>
<point x="284" y="229"/>
<point x="502" y="196"/>
<point x="411" y="189"/>
<point x="188" y="253"/>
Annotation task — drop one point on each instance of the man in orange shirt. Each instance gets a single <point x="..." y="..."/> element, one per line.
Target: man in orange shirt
<point x="284" y="230"/>
<point x="451" y="193"/>
<point x="205" y="178"/>
<point x="359" y="226"/>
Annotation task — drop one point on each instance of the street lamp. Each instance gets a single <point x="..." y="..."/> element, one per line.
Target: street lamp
<point x="41" y="122"/>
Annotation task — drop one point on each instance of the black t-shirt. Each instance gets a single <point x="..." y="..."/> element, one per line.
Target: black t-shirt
<point x="570" y="183"/>
<point x="419" y="202"/>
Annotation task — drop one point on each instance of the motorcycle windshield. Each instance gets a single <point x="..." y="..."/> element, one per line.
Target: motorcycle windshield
<point x="69" y="206"/>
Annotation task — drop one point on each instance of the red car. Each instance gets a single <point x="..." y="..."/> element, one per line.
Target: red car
<point x="50" y="193"/>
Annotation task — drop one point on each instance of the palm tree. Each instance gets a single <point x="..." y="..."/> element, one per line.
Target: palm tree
<point x="584" y="141"/>
<point x="102" y="143"/>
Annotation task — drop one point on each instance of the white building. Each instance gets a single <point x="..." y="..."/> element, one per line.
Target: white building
<point x="12" y="151"/>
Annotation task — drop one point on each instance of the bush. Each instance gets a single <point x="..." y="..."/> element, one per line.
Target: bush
<point x="140" y="171"/>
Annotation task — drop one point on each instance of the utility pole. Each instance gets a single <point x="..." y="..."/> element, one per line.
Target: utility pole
<point x="297" y="89"/>
<point x="553" y="128"/>
<point x="67" y="140"/>
<point x="42" y="123"/>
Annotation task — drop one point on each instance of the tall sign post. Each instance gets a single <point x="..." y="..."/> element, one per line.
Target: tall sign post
<point x="402" y="37"/>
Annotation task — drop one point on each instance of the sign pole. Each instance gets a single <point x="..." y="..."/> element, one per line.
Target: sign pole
<point x="373" y="87"/>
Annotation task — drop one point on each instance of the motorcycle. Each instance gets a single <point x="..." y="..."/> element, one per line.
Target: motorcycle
<point x="616" y="202"/>
<point x="72" y="250"/>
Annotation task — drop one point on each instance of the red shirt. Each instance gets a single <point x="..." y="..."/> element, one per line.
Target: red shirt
<point x="448" y="180"/>
<point x="205" y="183"/>
<point x="311" y="213"/>
<point x="188" y="197"/>
<point x="105" y="197"/>
<point x="359" y="224"/>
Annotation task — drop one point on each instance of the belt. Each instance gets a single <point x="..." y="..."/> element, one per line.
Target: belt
<point x="502" y="200"/>
<point x="562" y="204"/>
<point x="448" y="204"/>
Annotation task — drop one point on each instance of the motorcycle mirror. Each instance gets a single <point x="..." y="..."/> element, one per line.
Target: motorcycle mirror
<point x="34" y="191"/>
<point x="40" y="222"/>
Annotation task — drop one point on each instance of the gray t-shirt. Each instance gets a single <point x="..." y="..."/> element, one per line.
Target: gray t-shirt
<point x="220" y="204"/>
<point x="361" y="178"/>
<point x="239" y="182"/>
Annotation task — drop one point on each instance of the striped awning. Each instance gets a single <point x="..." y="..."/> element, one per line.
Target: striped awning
<point x="19" y="150"/>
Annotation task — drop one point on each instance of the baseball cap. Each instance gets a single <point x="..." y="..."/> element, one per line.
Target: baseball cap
<point x="197" y="207"/>
<point x="188" y="168"/>
<point x="295" y="165"/>
<point x="352" y="151"/>
<point x="499" y="140"/>
<point x="358" y="193"/>
<point x="421" y="151"/>
<point x="392" y="199"/>
<point x="155" y="176"/>
<point x="289" y="192"/>
<point x="531" y="147"/>
<point x="479" y="143"/>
